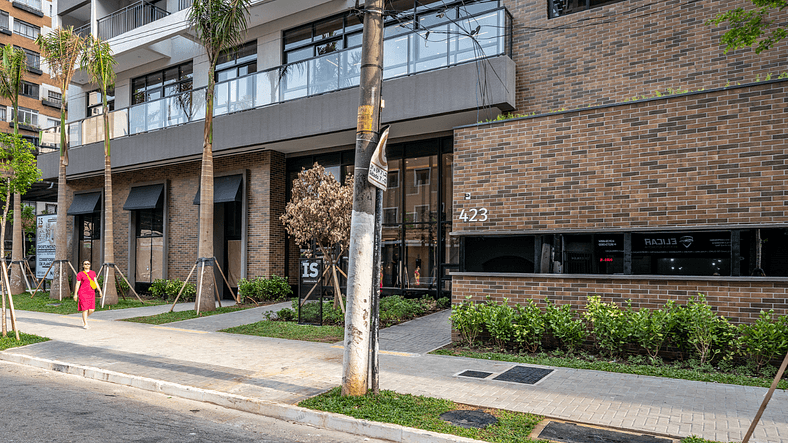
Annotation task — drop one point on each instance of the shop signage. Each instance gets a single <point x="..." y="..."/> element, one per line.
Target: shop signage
<point x="45" y="244"/>
<point x="681" y="243"/>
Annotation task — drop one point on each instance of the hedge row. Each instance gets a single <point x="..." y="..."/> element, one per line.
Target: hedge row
<point x="694" y="329"/>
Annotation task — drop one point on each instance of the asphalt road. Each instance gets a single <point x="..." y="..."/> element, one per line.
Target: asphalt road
<point x="45" y="406"/>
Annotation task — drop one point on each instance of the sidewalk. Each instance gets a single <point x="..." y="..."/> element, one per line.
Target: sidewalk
<point x="265" y="375"/>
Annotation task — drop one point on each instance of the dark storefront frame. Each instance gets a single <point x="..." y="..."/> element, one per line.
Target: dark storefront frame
<point x="342" y="163"/>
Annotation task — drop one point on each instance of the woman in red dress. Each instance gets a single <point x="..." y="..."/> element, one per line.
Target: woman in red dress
<point x="85" y="294"/>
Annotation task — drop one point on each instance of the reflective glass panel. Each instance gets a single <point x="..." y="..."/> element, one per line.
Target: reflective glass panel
<point x="421" y="251"/>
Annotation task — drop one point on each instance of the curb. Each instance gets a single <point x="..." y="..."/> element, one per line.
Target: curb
<point x="280" y="411"/>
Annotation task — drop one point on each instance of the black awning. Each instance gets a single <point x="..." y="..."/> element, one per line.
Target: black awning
<point x="144" y="197"/>
<point x="225" y="189"/>
<point x="85" y="204"/>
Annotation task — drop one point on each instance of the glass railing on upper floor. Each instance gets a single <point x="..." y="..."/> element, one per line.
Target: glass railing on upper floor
<point x="131" y="17"/>
<point x="406" y="52"/>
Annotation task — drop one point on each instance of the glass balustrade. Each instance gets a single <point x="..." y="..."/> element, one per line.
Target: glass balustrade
<point x="405" y="52"/>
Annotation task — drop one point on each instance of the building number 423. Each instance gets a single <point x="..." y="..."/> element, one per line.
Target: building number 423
<point x="474" y="215"/>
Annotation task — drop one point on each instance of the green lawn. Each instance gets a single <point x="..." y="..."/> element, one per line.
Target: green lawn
<point x="25" y="339"/>
<point x="291" y="331"/>
<point x="42" y="303"/>
<point x="169" y="317"/>
<point x="424" y="413"/>
<point x="657" y="370"/>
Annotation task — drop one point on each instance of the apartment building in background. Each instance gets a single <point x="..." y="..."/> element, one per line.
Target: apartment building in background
<point x="21" y="21"/>
<point x="598" y="185"/>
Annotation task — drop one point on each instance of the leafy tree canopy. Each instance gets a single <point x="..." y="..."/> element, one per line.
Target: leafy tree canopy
<point x="750" y="27"/>
<point x="17" y="165"/>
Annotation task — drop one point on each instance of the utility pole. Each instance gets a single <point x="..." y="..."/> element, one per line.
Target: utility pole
<point x="355" y="365"/>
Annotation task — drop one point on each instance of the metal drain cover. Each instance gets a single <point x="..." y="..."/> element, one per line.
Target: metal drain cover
<point x="469" y="419"/>
<point x="475" y="374"/>
<point x="524" y="374"/>
<point x="572" y="433"/>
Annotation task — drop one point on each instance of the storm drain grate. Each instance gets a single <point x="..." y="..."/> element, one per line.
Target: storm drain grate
<point x="572" y="433"/>
<point x="524" y="374"/>
<point x="475" y="374"/>
<point x="469" y="419"/>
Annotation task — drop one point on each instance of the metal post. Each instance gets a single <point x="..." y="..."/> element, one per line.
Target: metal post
<point x="356" y="354"/>
<point x="376" y="283"/>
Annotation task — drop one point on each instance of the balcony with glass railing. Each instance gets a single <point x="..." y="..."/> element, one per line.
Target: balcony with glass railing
<point x="129" y="18"/>
<point x="405" y="53"/>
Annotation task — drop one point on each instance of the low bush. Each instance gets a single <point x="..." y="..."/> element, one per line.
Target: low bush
<point x="168" y="290"/>
<point x="263" y="289"/>
<point x="701" y="336"/>
<point x="561" y="323"/>
<point x="609" y="324"/>
<point x="467" y="320"/>
<point x="765" y="340"/>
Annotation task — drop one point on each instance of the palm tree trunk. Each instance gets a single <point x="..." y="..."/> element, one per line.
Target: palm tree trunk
<point x="110" y="293"/>
<point x="17" y="249"/>
<point x="205" y="247"/>
<point x="60" y="285"/>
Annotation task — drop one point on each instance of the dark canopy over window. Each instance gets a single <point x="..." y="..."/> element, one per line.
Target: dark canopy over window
<point x="144" y="197"/>
<point x="84" y="204"/>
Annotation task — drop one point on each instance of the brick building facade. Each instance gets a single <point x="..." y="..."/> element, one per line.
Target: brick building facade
<point x="606" y="161"/>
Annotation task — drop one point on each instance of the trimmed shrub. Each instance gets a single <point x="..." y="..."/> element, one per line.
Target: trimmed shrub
<point x="561" y="323"/>
<point x="651" y="328"/>
<point x="528" y="326"/>
<point x="609" y="324"/>
<point x="168" y="290"/>
<point x="264" y="289"/>
<point x="765" y="340"/>
<point x="467" y="320"/>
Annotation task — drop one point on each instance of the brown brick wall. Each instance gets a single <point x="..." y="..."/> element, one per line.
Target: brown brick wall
<point x="26" y="43"/>
<point x="700" y="159"/>
<point x="739" y="301"/>
<point x="713" y="158"/>
<point x="624" y="49"/>
<point x="265" y="196"/>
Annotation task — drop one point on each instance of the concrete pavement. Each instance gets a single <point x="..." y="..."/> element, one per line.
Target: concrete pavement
<point x="264" y="375"/>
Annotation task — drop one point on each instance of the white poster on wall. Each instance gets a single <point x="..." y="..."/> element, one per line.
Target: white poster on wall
<point x="45" y="244"/>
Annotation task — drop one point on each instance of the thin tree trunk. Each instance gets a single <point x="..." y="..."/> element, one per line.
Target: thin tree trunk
<point x="2" y="254"/>
<point x="60" y="287"/>
<point x="17" y="249"/>
<point x="110" y="293"/>
<point x="205" y="247"/>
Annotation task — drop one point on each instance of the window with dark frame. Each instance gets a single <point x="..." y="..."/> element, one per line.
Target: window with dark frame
<point x="237" y="62"/>
<point x="165" y="83"/>
<point x="4" y="20"/>
<point x="29" y="90"/>
<point x="560" y="8"/>
<point x="26" y="29"/>
<point x="687" y="253"/>
<point x="343" y="31"/>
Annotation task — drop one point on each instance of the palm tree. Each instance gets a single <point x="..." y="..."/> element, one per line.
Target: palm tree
<point x="97" y="60"/>
<point x="61" y="48"/>
<point x="220" y="25"/>
<point x="14" y="65"/>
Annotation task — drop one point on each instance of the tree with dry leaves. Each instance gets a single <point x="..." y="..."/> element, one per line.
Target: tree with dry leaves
<point x="318" y="218"/>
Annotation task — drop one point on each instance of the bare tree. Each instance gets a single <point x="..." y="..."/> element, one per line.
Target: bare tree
<point x="318" y="218"/>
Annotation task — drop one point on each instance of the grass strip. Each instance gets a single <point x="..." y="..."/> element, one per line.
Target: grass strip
<point x="42" y="303"/>
<point x="169" y="317"/>
<point x="24" y="340"/>
<point x="424" y="413"/>
<point x="665" y="370"/>
<point x="291" y="331"/>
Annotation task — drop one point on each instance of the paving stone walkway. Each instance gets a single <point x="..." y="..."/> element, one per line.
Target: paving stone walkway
<point x="190" y="353"/>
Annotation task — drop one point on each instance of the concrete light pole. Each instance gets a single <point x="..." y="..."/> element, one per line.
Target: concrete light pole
<point x="362" y="228"/>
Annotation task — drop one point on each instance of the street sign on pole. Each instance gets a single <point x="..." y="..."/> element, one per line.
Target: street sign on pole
<point x="379" y="166"/>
